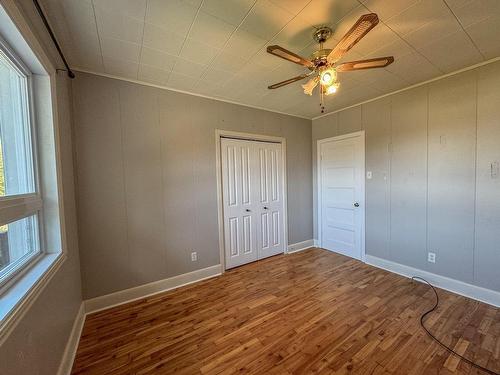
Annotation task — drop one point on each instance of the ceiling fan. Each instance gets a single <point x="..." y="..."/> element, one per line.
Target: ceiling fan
<point x="322" y="63"/>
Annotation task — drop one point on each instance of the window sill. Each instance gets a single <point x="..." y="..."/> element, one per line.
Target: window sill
<point x="20" y="296"/>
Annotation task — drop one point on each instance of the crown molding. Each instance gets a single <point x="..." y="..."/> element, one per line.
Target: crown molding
<point x="143" y="83"/>
<point x="490" y="61"/>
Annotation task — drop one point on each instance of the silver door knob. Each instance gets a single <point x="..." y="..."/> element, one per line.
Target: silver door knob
<point x="247" y="210"/>
<point x="356" y="204"/>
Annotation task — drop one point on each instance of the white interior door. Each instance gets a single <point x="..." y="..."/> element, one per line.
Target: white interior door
<point x="271" y="237"/>
<point x="342" y="194"/>
<point x="252" y="180"/>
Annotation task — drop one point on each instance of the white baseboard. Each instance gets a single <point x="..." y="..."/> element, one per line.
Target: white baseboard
<point x="299" y="246"/>
<point x="72" y="344"/>
<point x="146" y="290"/>
<point x="488" y="296"/>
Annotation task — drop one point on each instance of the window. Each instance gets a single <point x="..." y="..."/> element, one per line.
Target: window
<point x="20" y="199"/>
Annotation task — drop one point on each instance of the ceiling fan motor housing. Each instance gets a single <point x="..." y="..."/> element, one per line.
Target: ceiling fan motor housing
<point x="322" y="34"/>
<point x="320" y="58"/>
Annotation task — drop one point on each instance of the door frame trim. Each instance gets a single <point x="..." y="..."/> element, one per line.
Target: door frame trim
<point x="220" y="133"/>
<point x="361" y="134"/>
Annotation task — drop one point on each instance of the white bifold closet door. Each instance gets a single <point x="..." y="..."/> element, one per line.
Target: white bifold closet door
<point x="252" y="180"/>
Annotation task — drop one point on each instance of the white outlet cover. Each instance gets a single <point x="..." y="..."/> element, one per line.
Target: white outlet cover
<point x="194" y="257"/>
<point x="369" y="175"/>
<point x="431" y="257"/>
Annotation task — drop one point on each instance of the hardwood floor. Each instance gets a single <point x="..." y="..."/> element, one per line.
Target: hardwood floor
<point x="313" y="312"/>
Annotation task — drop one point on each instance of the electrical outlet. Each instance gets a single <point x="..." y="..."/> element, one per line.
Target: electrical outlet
<point x="194" y="256"/>
<point x="369" y="175"/>
<point x="431" y="257"/>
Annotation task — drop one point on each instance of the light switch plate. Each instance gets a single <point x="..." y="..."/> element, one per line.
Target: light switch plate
<point x="369" y="175"/>
<point x="495" y="169"/>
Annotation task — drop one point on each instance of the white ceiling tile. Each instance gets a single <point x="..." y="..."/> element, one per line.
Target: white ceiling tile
<point x="194" y="3"/>
<point x="229" y="62"/>
<point x="153" y="75"/>
<point x="157" y="59"/>
<point x="92" y="63"/>
<point x="387" y="9"/>
<point x="121" y="68"/>
<point x="188" y="68"/>
<point x="86" y="50"/>
<point x="380" y="79"/>
<point x="296" y="35"/>
<point x="442" y="52"/>
<point x="216" y="77"/>
<point x="163" y="40"/>
<point x="418" y="15"/>
<point x="458" y="3"/>
<point x="485" y="35"/>
<point x="175" y="15"/>
<point x="266" y="60"/>
<point x="414" y="68"/>
<point x="266" y="19"/>
<point x="181" y="81"/>
<point x="244" y="44"/>
<point x="80" y="16"/>
<point x="397" y="49"/>
<point x="232" y="12"/>
<point x="120" y="50"/>
<point x="342" y="26"/>
<point x="199" y="52"/>
<point x="129" y="8"/>
<point x="211" y="30"/>
<point x="254" y="72"/>
<point x="470" y="12"/>
<point x="379" y="37"/>
<point x="327" y="12"/>
<point x="432" y="31"/>
<point x="119" y="26"/>
<point x="292" y="6"/>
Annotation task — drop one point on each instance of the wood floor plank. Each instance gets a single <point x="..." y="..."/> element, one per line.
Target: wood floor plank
<point x="313" y="312"/>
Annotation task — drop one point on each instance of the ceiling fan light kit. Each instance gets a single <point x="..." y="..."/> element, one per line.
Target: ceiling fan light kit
<point x="323" y="62"/>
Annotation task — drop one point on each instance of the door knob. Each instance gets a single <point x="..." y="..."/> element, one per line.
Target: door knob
<point x="247" y="210"/>
<point x="265" y="208"/>
<point x="356" y="204"/>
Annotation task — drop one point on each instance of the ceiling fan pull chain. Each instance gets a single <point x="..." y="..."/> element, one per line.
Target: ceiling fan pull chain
<point x="321" y="100"/>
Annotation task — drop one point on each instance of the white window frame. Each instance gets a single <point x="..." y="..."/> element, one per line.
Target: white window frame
<point x="16" y="207"/>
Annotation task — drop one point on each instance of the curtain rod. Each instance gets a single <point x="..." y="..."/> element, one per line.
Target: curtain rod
<point x="53" y="37"/>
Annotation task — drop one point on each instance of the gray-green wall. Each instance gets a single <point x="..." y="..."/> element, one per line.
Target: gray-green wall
<point x="147" y="192"/>
<point x="430" y="150"/>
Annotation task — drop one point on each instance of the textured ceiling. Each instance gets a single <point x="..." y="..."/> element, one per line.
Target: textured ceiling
<point x="217" y="47"/>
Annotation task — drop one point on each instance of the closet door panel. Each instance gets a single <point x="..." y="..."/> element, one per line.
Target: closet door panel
<point x="239" y="202"/>
<point x="271" y="236"/>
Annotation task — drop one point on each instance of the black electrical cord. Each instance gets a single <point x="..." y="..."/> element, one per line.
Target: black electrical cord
<point x="53" y="37"/>
<point x="424" y="315"/>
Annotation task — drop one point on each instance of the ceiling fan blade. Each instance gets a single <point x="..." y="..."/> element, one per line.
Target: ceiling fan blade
<point x="364" y="24"/>
<point x="290" y="56"/>
<point x="288" y="81"/>
<point x="379" y="62"/>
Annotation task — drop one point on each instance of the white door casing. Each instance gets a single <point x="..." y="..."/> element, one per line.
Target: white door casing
<point x="252" y="201"/>
<point x="341" y="194"/>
